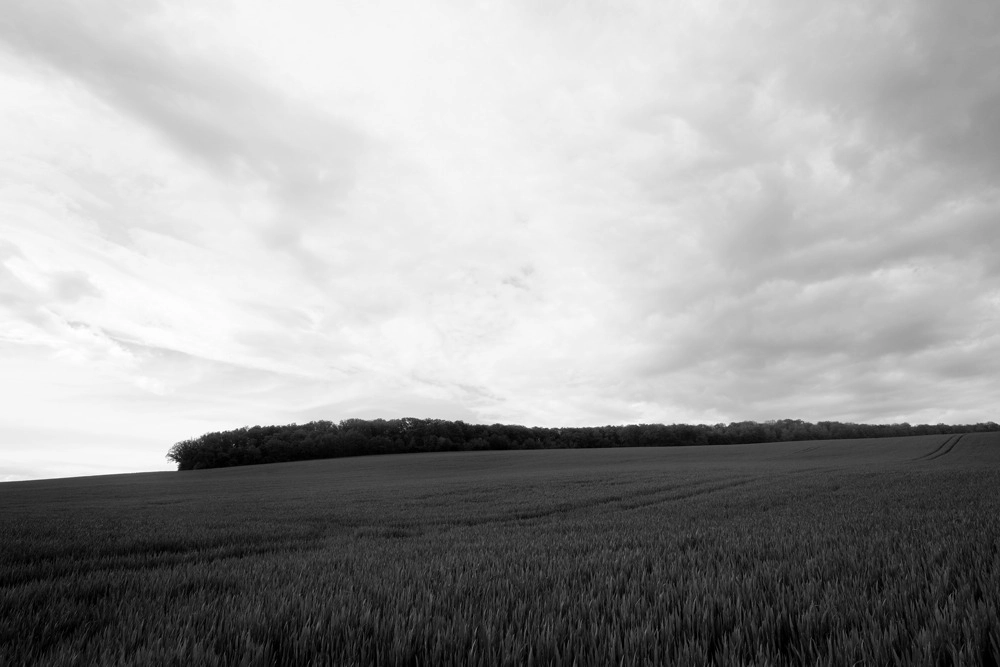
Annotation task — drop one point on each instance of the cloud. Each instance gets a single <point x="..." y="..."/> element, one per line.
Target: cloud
<point x="923" y="74"/>
<point x="27" y="292"/>
<point x="825" y="222"/>
<point x="549" y="213"/>
<point x="304" y="159"/>
<point x="71" y="286"/>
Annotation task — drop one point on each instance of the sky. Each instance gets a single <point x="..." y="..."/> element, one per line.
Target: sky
<point x="218" y="213"/>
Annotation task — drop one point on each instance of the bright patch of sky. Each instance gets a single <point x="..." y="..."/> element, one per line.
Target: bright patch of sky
<point x="219" y="213"/>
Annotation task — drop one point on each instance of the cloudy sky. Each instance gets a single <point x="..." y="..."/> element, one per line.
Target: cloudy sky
<point x="216" y="213"/>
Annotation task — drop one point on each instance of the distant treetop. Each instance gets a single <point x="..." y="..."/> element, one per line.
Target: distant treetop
<point x="357" y="437"/>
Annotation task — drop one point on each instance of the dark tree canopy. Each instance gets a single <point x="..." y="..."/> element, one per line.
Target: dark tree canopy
<point x="356" y="437"/>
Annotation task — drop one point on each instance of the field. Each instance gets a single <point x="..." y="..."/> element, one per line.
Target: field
<point x="831" y="553"/>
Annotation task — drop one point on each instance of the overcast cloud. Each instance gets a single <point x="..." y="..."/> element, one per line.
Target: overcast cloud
<point x="552" y="213"/>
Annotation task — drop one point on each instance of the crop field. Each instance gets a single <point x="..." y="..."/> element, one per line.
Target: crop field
<point x="839" y="552"/>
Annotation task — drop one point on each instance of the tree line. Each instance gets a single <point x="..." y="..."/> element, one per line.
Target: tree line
<point x="251" y="445"/>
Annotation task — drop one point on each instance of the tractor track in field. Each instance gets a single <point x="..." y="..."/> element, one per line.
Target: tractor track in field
<point x="697" y="490"/>
<point x="628" y="501"/>
<point x="947" y="450"/>
<point x="943" y="449"/>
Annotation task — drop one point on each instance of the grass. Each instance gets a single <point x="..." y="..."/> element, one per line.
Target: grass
<point x="841" y="552"/>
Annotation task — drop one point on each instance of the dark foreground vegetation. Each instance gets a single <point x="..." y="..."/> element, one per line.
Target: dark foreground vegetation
<point x="814" y="553"/>
<point x="354" y="437"/>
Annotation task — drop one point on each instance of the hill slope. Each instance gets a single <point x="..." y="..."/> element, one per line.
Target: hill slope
<point x="880" y="551"/>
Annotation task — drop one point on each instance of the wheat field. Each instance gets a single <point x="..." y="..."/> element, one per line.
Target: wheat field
<point x="840" y="552"/>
